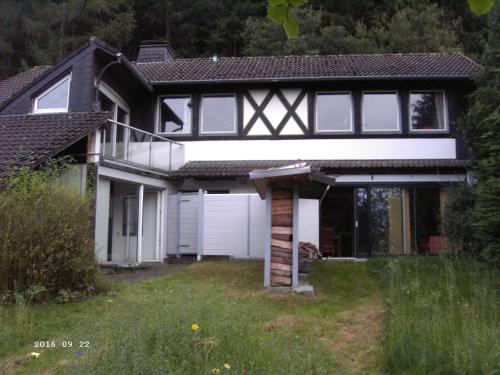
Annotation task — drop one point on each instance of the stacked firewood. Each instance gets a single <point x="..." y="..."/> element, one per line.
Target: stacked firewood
<point x="308" y="250"/>
<point x="281" y="238"/>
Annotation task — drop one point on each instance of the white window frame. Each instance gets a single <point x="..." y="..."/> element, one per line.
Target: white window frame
<point x="235" y="131"/>
<point x="398" y="112"/>
<point x="52" y="87"/>
<point x="117" y="99"/>
<point x="158" y="115"/>
<point x="351" y="112"/>
<point x="445" y="112"/>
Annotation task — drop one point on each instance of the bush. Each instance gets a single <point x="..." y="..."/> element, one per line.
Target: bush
<point x="456" y="220"/>
<point x="46" y="245"/>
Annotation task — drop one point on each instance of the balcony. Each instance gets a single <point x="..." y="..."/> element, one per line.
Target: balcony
<point x="139" y="149"/>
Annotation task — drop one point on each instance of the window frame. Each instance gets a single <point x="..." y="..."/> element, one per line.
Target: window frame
<point x="218" y="133"/>
<point x="398" y="113"/>
<point x="49" y="89"/>
<point x="445" y="112"/>
<point x="351" y="113"/>
<point x="158" y="115"/>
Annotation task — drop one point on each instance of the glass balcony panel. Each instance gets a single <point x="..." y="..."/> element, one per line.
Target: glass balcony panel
<point x="123" y="143"/>
<point x="139" y="147"/>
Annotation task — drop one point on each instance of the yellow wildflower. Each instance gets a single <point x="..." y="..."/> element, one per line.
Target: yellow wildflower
<point x="110" y="301"/>
<point x="195" y="327"/>
<point x="227" y="366"/>
<point x="215" y="371"/>
<point x="35" y="354"/>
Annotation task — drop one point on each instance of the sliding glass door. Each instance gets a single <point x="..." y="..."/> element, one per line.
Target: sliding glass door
<point x="396" y="220"/>
<point x="379" y="221"/>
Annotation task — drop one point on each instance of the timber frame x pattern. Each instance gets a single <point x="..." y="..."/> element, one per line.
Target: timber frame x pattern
<point x="293" y="103"/>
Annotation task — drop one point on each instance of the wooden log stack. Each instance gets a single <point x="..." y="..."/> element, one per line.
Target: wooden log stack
<point x="281" y="238"/>
<point x="309" y="251"/>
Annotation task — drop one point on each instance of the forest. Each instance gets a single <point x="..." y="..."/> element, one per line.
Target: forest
<point x="41" y="32"/>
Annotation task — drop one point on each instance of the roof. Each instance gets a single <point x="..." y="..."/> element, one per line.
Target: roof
<point x="11" y="86"/>
<point x="241" y="168"/>
<point x="32" y="139"/>
<point x="324" y="67"/>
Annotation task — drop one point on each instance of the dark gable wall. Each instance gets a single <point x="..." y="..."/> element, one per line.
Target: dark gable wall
<point x="80" y="65"/>
<point x="456" y="91"/>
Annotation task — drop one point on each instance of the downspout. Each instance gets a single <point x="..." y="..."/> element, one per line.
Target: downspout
<point x="96" y="106"/>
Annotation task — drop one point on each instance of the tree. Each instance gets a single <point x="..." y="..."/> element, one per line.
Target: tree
<point x="481" y="127"/>
<point x="263" y="37"/>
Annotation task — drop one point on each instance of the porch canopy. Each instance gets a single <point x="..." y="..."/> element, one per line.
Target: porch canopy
<point x="280" y="187"/>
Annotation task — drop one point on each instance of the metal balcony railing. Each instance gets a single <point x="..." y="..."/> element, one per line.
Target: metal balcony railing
<point x="125" y="144"/>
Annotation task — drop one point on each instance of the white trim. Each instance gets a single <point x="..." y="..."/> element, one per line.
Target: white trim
<point x="351" y="113"/>
<point x="157" y="115"/>
<point x="398" y="112"/>
<point x="445" y="113"/>
<point x="321" y="149"/>
<point x="117" y="99"/>
<point x="124" y="176"/>
<point x="55" y="85"/>
<point x="140" y="223"/>
<point x="402" y="178"/>
<point x="235" y="123"/>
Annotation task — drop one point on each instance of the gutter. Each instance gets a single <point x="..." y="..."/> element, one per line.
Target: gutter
<point x="124" y="61"/>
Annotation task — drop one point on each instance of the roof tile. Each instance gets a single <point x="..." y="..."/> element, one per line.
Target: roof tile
<point x="376" y="66"/>
<point x="30" y="139"/>
<point x="11" y="86"/>
<point x="241" y="168"/>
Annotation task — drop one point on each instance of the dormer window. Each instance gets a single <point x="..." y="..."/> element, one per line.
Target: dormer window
<point x="55" y="98"/>
<point x="427" y="111"/>
<point x="175" y="115"/>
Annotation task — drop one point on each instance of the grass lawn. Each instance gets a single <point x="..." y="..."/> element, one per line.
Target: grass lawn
<point x="145" y="328"/>
<point x="425" y="315"/>
<point x="442" y="316"/>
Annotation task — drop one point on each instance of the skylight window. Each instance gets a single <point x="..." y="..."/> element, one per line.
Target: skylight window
<point x="55" y="98"/>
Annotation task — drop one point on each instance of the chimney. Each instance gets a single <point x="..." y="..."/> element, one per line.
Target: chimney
<point x="155" y="51"/>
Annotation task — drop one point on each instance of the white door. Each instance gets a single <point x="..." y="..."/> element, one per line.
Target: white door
<point x="150" y="221"/>
<point x="188" y="223"/>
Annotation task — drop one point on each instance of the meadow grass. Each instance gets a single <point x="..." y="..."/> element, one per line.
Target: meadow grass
<point x="442" y="315"/>
<point x="146" y="328"/>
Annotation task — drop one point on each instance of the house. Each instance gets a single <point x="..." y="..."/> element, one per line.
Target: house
<point x="246" y="156"/>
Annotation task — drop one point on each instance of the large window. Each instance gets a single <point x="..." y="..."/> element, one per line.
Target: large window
<point x="427" y="111"/>
<point x="333" y="113"/>
<point x="175" y="115"/>
<point x="218" y="114"/>
<point x="381" y="112"/>
<point x="54" y="99"/>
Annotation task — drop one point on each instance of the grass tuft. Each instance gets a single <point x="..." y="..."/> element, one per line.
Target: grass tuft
<point x="442" y="315"/>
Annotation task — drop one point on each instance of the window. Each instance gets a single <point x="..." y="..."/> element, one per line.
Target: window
<point x="175" y="115"/>
<point x="333" y="113"/>
<point x="380" y="112"/>
<point x="427" y="111"/>
<point x="55" y="99"/>
<point x="130" y="216"/>
<point x="218" y="114"/>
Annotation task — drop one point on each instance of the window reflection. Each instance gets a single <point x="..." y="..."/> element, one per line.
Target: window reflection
<point x="175" y="115"/>
<point x="427" y="111"/>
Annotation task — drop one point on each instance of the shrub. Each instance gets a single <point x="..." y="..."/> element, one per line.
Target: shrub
<point x="456" y="220"/>
<point x="46" y="246"/>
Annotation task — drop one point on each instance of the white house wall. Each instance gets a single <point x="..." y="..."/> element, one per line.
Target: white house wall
<point x="309" y="221"/>
<point x="322" y="149"/>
